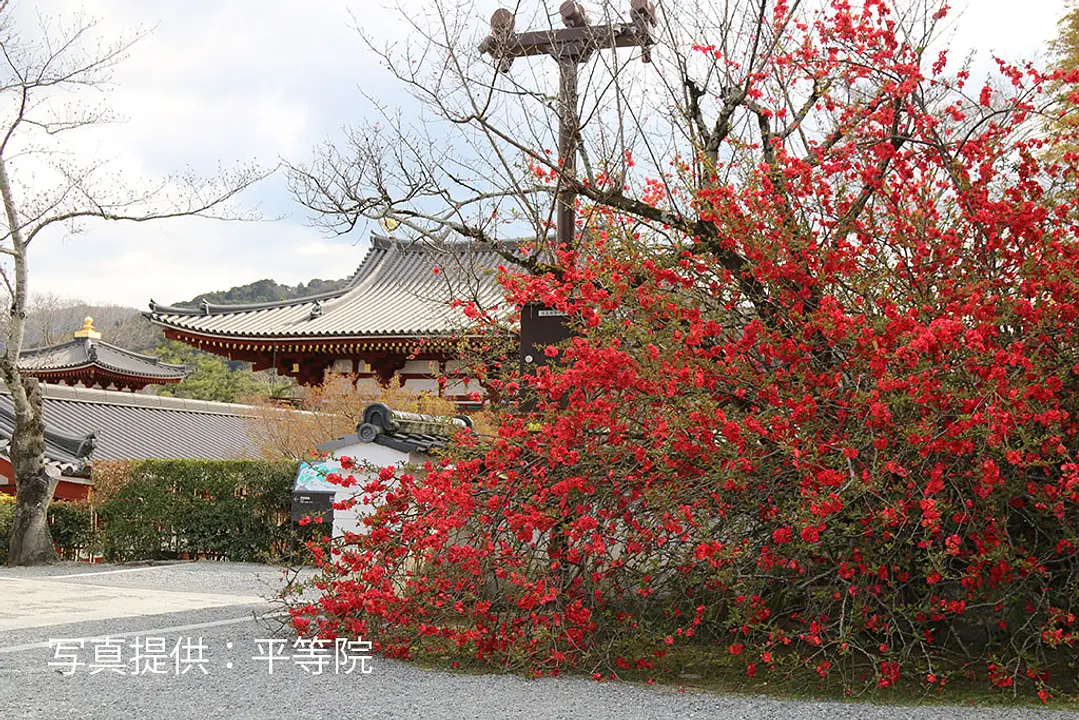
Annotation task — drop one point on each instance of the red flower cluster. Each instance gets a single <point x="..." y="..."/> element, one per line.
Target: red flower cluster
<point x="839" y="418"/>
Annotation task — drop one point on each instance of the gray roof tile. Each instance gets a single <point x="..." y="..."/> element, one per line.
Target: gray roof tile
<point x="68" y="452"/>
<point x="128" y="426"/>
<point x="401" y="289"/>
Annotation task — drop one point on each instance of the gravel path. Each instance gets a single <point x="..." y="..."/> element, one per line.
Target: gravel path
<point x="237" y="682"/>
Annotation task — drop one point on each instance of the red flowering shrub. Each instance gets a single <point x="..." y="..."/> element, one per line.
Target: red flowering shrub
<point x="834" y="429"/>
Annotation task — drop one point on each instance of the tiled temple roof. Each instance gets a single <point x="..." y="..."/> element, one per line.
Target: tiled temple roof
<point x="128" y="426"/>
<point x="401" y="289"/>
<point x="87" y="359"/>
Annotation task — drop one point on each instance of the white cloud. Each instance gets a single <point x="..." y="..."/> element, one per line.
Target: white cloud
<point x="320" y="248"/>
<point x="220" y="81"/>
<point x="1014" y="31"/>
<point x="179" y="259"/>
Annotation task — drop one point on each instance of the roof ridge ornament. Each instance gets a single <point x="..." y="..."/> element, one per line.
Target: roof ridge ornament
<point x="388" y="223"/>
<point x="408" y="431"/>
<point x="87" y="330"/>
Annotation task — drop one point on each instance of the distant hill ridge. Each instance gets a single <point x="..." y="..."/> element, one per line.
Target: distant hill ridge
<point x="51" y="319"/>
<point x="264" y="291"/>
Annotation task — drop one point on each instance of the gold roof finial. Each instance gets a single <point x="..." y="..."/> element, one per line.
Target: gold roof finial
<point x="87" y="330"/>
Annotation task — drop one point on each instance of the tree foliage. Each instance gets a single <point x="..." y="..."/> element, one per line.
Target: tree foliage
<point x="211" y="377"/>
<point x="265" y="290"/>
<point x="1065" y="54"/>
<point x="820" y="412"/>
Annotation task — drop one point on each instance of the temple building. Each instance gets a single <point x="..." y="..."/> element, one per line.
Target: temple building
<point x="86" y="425"/>
<point x="394" y="316"/>
<point x="87" y="360"/>
<point x="98" y="421"/>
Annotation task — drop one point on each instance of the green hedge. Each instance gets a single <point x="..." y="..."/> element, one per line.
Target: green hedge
<point x="71" y="524"/>
<point x="222" y="509"/>
<point x="7" y="517"/>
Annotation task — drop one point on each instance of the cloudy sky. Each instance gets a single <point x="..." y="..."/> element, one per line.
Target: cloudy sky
<point x="225" y="81"/>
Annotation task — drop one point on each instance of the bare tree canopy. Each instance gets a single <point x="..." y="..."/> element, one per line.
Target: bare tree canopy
<point x="481" y="159"/>
<point x="54" y="81"/>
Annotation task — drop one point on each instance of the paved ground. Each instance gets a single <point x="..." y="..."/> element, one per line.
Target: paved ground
<point x="191" y="632"/>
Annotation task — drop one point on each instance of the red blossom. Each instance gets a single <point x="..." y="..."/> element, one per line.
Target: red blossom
<point x="857" y="324"/>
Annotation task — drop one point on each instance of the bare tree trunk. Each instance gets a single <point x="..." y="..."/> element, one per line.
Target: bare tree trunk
<point x="36" y="72"/>
<point x="31" y="543"/>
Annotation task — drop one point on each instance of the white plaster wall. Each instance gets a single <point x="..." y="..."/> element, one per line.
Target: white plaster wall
<point x="420" y="385"/>
<point x="361" y="453"/>
<point x="420" y="366"/>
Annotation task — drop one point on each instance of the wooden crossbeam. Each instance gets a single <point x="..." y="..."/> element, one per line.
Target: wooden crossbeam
<point x="567" y="43"/>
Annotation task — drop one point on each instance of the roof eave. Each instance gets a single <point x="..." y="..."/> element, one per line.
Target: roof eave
<point x="338" y="339"/>
<point x="106" y="370"/>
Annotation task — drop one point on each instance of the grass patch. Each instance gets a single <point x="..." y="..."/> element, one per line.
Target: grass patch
<point x="714" y="670"/>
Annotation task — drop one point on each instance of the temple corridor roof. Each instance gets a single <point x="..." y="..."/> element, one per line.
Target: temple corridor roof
<point x="129" y="426"/>
<point x="69" y="452"/>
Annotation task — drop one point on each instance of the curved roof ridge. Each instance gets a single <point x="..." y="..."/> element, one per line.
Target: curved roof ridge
<point x="361" y="280"/>
<point x="403" y="287"/>
<point x="181" y="370"/>
<point x="209" y="308"/>
<point x="149" y="358"/>
<point x="43" y="348"/>
<point x="361" y="277"/>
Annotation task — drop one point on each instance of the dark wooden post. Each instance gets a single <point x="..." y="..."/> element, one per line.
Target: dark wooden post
<point x="567" y="150"/>
<point x="569" y="46"/>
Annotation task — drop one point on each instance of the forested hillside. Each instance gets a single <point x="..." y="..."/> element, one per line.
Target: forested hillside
<point x="52" y="319"/>
<point x="265" y="291"/>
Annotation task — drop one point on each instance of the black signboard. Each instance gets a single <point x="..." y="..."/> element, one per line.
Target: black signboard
<point x="312" y="504"/>
<point x="540" y="326"/>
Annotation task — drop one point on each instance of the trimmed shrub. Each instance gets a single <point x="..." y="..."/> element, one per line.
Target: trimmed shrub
<point x="71" y="525"/>
<point x="7" y="517"/>
<point x="223" y="509"/>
